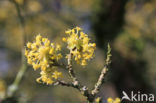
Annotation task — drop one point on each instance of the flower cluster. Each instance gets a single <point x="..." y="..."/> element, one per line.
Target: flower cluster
<point x="79" y="46"/>
<point x="45" y="55"/>
<point x="110" y="100"/>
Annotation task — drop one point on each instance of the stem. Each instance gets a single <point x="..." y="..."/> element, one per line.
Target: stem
<point x="14" y="87"/>
<point x="71" y="71"/>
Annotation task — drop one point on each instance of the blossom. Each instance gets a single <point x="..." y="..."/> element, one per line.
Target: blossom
<point x="79" y="45"/>
<point x="49" y="75"/>
<point x="44" y="55"/>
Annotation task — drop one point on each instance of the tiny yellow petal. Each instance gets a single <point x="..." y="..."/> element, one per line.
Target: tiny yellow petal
<point x="78" y="28"/>
<point x="38" y="37"/>
<point x="94" y="45"/>
<point x="28" y="45"/>
<point x="38" y="80"/>
<point x="26" y="52"/>
<point x="29" y="61"/>
<point x="51" y="51"/>
<point x="58" y="47"/>
<point x="68" y="31"/>
<point x="64" y="39"/>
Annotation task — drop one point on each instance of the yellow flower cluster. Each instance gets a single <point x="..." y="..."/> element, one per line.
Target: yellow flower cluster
<point x="110" y="100"/>
<point x="45" y="55"/>
<point x="79" y="46"/>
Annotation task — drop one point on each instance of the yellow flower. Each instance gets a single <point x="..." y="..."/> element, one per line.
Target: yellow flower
<point x="38" y="37"/>
<point x="64" y="39"/>
<point x="58" y="47"/>
<point x="110" y="100"/>
<point x="117" y="100"/>
<point x="56" y="74"/>
<point x="46" y="76"/>
<point x="28" y="45"/>
<point x="79" y="45"/>
<point x="44" y="55"/>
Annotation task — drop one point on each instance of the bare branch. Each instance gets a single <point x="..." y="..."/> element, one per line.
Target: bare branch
<point x="76" y="84"/>
<point x="100" y="81"/>
<point x="83" y="89"/>
<point x="103" y="73"/>
<point x="14" y="87"/>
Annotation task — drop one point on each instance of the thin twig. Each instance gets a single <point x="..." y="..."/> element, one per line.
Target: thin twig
<point x="63" y="83"/>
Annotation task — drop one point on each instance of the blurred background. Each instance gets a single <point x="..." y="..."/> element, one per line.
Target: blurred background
<point x="128" y="25"/>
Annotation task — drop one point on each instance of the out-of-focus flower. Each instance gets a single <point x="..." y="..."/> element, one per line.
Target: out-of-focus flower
<point x="19" y="1"/>
<point x="117" y="100"/>
<point x="45" y="55"/>
<point x="2" y="89"/>
<point x="97" y="100"/>
<point x="34" y="6"/>
<point x="79" y="45"/>
<point x="110" y="100"/>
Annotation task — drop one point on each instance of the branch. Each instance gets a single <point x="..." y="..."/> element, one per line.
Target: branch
<point x="100" y="81"/>
<point x="76" y="84"/>
<point x="21" y="19"/>
<point x="83" y="89"/>
<point x="14" y="86"/>
<point x="20" y="16"/>
<point x="61" y="65"/>
<point x="71" y="71"/>
<point x="103" y="73"/>
<point x="63" y="83"/>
